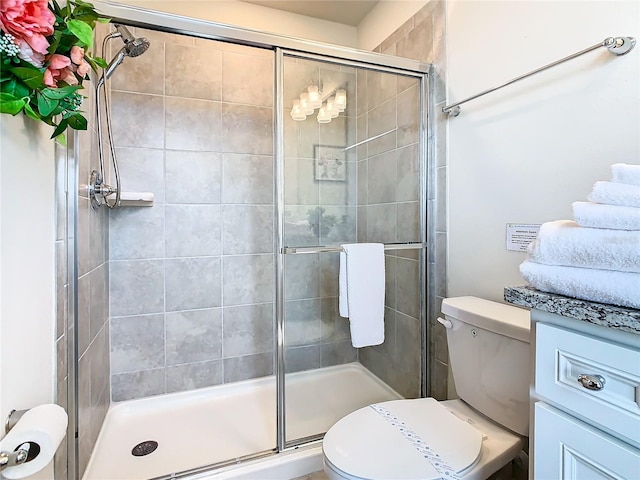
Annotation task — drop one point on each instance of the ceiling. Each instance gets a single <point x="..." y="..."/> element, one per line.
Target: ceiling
<point x="348" y="12"/>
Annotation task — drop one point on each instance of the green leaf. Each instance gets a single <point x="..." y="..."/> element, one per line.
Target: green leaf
<point x="10" y="104"/>
<point x="61" y="139"/>
<point x="32" y="77"/>
<point x="81" y="30"/>
<point x="60" y="93"/>
<point x="46" y="105"/>
<point x="56" y="41"/>
<point x="101" y="62"/>
<point x="77" y="122"/>
<point x="31" y="113"/>
<point x="9" y="87"/>
<point x="103" y="20"/>
<point x="60" y="128"/>
<point x="56" y="7"/>
<point x="95" y="63"/>
<point x="21" y="90"/>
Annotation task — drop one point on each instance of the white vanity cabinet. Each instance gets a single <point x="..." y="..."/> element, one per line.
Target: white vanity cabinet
<point x="585" y="400"/>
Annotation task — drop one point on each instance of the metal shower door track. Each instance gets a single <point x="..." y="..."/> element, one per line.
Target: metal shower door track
<point x="173" y="23"/>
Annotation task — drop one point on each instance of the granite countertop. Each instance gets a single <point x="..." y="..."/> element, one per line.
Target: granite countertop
<point x="612" y="316"/>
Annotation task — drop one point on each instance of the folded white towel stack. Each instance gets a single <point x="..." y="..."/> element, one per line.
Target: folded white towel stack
<point x="599" y="215"/>
<point x="624" y="173"/>
<point x="616" y="194"/>
<point x="362" y="292"/>
<point x="597" y="257"/>
<point x="563" y="242"/>
<point x="604" y="286"/>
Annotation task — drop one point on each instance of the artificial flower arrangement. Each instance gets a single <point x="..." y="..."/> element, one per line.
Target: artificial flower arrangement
<point x="44" y="60"/>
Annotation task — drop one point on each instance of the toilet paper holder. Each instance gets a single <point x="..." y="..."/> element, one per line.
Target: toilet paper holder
<point x="21" y="454"/>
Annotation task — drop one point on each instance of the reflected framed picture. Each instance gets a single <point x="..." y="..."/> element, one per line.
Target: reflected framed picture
<point x="330" y="163"/>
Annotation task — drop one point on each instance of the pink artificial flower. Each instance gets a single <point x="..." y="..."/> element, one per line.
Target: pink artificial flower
<point x="67" y="76"/>
<point x="58" y="62"/>
<point x="28" y="21"/>
<point x="77" y="57"/>
<point x="77" y="54"/>
<point x="28" y="55"/>
<point x="59" y="70"/>
<point x="83" y="69"/>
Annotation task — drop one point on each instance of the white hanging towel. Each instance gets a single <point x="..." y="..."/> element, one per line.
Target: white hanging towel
<point x="362" y="292"/>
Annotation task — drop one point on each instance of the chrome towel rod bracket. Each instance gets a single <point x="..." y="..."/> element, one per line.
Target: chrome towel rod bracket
<point x="616" y="45"/>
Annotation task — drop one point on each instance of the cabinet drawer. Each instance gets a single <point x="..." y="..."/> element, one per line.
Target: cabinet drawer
<point x="565" y="448"/>
<point x="562" y="356"/>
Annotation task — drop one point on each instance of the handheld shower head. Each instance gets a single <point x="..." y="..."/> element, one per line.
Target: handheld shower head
<point x="137" y="46"/>
<point x="133" y="47"/>
<point x="113" y="64"/>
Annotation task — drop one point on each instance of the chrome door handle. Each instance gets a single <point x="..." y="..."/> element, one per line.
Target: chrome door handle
<point x="591" y="382"/>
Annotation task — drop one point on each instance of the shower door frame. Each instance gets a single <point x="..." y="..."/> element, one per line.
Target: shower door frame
<point x="279" y="162"/>
<point x="281" y="46"/>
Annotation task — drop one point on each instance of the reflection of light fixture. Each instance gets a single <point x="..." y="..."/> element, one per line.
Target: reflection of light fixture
<point x="315" y="100"/>
<point x="323" y="115"/>
<point x="341" y="100"/>
<point x="336" y="102"/>
<point x="296" y="111"/>
<point x="331" y="108"/>
<point x="305" y="106"/>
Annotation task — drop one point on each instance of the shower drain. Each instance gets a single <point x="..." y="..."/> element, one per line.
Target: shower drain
<point x="144" y="448"/>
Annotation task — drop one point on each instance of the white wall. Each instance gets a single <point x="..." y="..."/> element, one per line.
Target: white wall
<point x="384" y="19"/>
<point x="255" y="17"/>
<point x="524" y="153"/>
<point x="27" y="300"/>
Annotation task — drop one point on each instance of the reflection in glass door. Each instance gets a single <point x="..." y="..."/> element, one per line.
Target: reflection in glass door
<point x="352" y="173"/>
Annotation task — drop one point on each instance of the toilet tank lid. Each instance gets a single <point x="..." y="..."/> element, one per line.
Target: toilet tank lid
<point x="496" y="317"/>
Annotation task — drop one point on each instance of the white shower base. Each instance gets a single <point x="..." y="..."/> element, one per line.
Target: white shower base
<point x="225" y="422"/>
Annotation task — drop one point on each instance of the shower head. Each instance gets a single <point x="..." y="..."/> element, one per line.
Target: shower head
<point x="137" y="46"/>
<point x="133" y="47"/>
<point x="124" y="33"/>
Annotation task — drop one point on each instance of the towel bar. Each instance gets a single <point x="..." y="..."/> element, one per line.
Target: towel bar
<point x="616" y="45"/>
<point x="337" y="248"/>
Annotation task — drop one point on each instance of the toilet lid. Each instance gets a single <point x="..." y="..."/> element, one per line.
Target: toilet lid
<point x="402" y="440"/>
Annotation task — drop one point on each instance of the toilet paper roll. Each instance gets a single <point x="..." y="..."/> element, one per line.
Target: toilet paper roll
<point x="45" y="425"/>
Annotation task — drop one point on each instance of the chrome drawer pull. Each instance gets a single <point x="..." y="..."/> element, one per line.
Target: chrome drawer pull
<point x="591" y="382"/>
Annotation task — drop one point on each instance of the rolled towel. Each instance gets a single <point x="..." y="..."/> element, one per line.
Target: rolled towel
<point x="603" y="286"/>
<point x="564" y="242"/>
<point x="598" y="215"/>
<point x="625" y="173"/>
<point x="611" y="193"/>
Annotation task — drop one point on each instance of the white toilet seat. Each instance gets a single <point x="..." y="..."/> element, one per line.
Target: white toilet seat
<point x="403" y="440"/>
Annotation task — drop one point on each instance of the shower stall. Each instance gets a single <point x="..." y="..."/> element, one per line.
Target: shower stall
<point x="205" y="321"/>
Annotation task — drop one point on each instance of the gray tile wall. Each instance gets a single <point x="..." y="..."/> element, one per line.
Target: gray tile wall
<point x="62" y="307"/>
<point x="317" y="212"/>
<point x="192" y="277"/>
<point x="422" y="37"/>
<point x="389" y="211"/>
<point x="93" y="289"/>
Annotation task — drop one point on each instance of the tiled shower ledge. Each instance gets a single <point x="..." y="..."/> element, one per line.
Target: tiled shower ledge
<point x="611" y="316"/>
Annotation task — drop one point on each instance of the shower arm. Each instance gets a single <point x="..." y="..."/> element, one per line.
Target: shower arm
<point x="618" y="46"/>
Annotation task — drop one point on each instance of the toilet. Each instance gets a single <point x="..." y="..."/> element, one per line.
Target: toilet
<point x="469" y="438"/>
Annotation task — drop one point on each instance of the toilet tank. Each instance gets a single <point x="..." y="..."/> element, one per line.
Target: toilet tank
<point x="489" y="355"/>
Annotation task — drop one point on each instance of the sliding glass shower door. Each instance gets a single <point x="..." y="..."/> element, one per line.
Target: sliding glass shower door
<point x="352" y="173"/>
